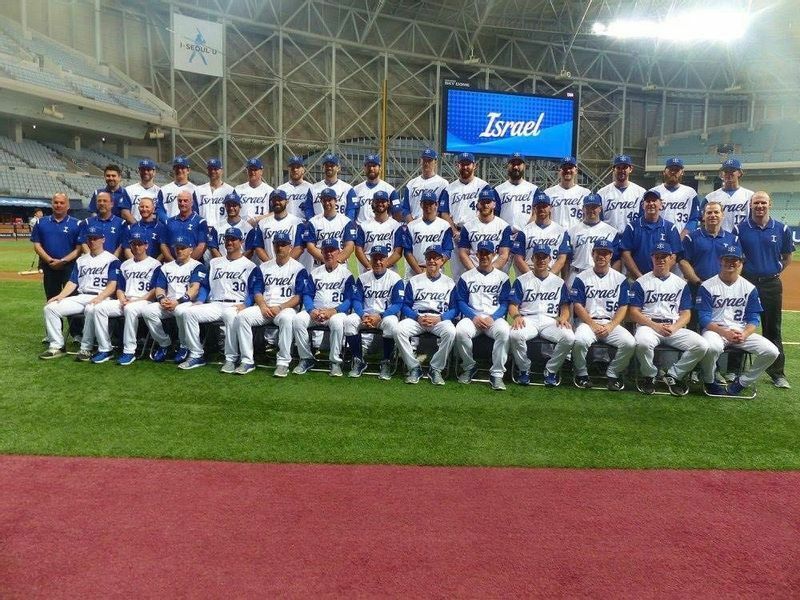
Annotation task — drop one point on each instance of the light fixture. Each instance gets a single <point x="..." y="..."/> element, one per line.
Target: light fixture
<point x="649" y="87"/>
<point x="52" y="111"/>
<point x="734" y="88"/>
<point x="34" y="125"/>
<point x="564" y="75"/>
<point x="693" y="26"/>
<point x="103" y="139"/>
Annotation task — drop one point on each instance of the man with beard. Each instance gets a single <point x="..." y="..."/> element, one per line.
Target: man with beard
<point x="541" y="230"/>
<point x="679" y="203"/>
<point x="621" y="198"/>
<point x="516" y="194"/>
<point x="296" y="188"/>
<point x="345" y="196"/>
<point x="119" y="197"/>
<point x="485" y="227"/>
<point x="566" y="195"/>
<point x="211" y="196"/>
<point x="167" y="199"/>
<point x="233" y="207"/>
<point x="330" y="225"/>
<point x="145" y="188"/>
<point x="424" y="232"/>
<point x="380" y="230"/>
<point x="458" y="202"/>
<point x="365" y="191"/>
<point x="428" y="180"/>
<point x="279" y="221"/>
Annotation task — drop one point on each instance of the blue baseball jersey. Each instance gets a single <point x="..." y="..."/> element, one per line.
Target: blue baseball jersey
<point x="732" y="306"/>
<point x="156" y="235"/>
<point x="167" y="199"/>
<point x="601" y="295"/>
<point x="661" y="298"/>
<point x="483" y="293"/>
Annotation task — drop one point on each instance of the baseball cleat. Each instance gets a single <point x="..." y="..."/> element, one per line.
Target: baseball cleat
<point x="435" y="377"/>
<point x="281" y="371"/>
<point x="245" y="368"/>
<point x="583" y="382"/>
<point x="551" y="379"/>
<point x="305" y="365"/>
<point x="615" y="384"/>
<point x="715" y="389"/>
<point x="735" y="388"/>
<point x="497" y="383"/>
<point x="386" y="370"/>
<point x="52" y="353"/>
<point x="228" y="368"/>
<point x="414" y="375"/>
<point x="101" y="357"/>
<point x="336" y="370"/>
<point x="782" y="383"/>
<point x="648" y="386"/>
<point x="676" y="386"/>
<point x="192" y="363"/>
<point x="524" y="378"/>
<point x="126" y="359"/>
<point x="358" y="368"/>
<point x="467" y="375"/>
<point x="83" y="356"/>
<point x="181" y="355"/>
<point x="159" y="354"/>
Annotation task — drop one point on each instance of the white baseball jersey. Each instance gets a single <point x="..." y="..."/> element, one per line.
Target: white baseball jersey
<point x="242" y="226"/>
<point x="431" y="296"/>
<point x="210" y="203"/>
<point x="135" y="192"/>
<point x="344" y="196"/>
<point x="338" y="228"/>
<point x="475" y="231"/>
<point x="136" y="278"/>
<point x="329" y="287"/>
<point x="661" y="299"/>
<point x="412" y="192"/>
<point x="679" y="206"/>
<point x="553" y="235"/>
<point x="620" y="206"/>
<point x="92" y="273"/>
<point x="167" y="204"/>
<point x="377" y="291"/>
<point x="460" y="199"/>
<point x="362" y="199"/>
<point x="374" y="233"/>
<point x="175" y="278"/>
<point x="735" y="205"/>
<point x="567" y="204"/>
<point x="733" y="306"/>
<point x="281" y="282"/>
<point x="484" y="292"/>
<point x="255" y="200"/>
<point x="296" y="195"/>
<point x="539" y="297"/>
<point x="582" y="238"/>
<point x="516" y="202"/>
<point x="421" y="234"/>
<point x="227" y="279"/>
<point x="600" y="295"/>
<point x="291" y="225"/>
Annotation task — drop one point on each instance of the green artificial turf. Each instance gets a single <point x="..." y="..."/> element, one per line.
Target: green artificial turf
<point x="60" y="407"/>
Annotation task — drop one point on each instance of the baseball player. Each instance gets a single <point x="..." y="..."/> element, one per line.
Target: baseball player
<point x="134" y="293"/>
<point x="113" y="227"/>
<point x="188" y="225"/>
<point x="211" y="196"/>
<point x="155" y="230"/>
<point x="458" y="202"/>
<point x="424" y="232"/>
<point x="543" y="231"/>
<point x="94" y="278"/>
<point x="621" y="198"/>
<point x="485" y="227"/>
<point x="145" y="188"/>
<point x="120" y="202"/>
<point x="703" y="248"/>
<point x="644" y="232"/>
<point x="600" y="302"/>
<point x="277" y="291"/>
<point x="326" y="302"/>
<point x="728" y="308"/>
<point x="345" y="196"/>
<point x="583" y="236"/>
<point x="566" y="195"/>
<point x="230" y="279"/>
<point x="377" y="300"/>
<point x="365" y="191"/>
<point x="661" y="306"/>
<point x="380" y="230"/>
<point x="233" y="207"/>
<point x="330" y="225"/>
<point x="680" y="203"/>
<point x="735" y="200"/>
<point x="539" y="306"/>
<point x="167" y="198"/>
<point x="177" y="285"/>
<point x="515" y="205"/>
<point x="483" y="297"/>
<point x="430" y="304"/>
<point x="279" y="221"/>
<point x="296" y="188"/>
<point x="427" y="180"/>
<point x="254" y="193"/>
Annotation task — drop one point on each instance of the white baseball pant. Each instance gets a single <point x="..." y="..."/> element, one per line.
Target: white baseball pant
<point x="546" y="328"/>
<point x="72" y="305"/>
<point x="153" y="314"/>
<point x="444" y="330"/>
<point x="252" y="317"/>
<point x="619" y="337"/>
<point x="763" y="353"/>
<point x="499" y="332"/>
<point x="336" y="325"/>
<point x="208" y="313"/>
<point x="113" y="308"/>
<point x="691" y="344"/>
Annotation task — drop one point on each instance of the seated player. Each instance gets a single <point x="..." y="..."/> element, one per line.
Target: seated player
<point x="728" y="309"/>
<point x="540" y="307"/>
<point x="94" y="277"/>
<point x="600" y="301"/>
<point x="276" y="294"/>
<point x="377" y="299"/>
<point x="134" y="294"/>
<point x="483" y="295"/>
<point x="326" y="302"/>
<point x="661" y="306"/>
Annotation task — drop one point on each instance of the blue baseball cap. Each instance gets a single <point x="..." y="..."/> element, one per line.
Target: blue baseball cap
<point x="541" y="249"/>
<point x="380" y="196"/>
<point x="541" y="198"/>
<point x="180" y="161"/>
<point x="137" y="235"/>
<point x="651" y="194"/>
<point x="281" y="238"/>
<point x="732" y="251"/>
<point x="661" y="248"/>
<point x="372" y="159"/>
<point x="485" y="246"/>
<point x="254" y="163"/>
<point x="328" y="193"/>
<point x="429" y="154"/>
<point x="623" y="159"/>
<point x="674" y="162"/>
<point x="278" y="194"/>
<point x="569" y="160"/>
<point x="95" y="232"/>
<point x="213" y="163"/>
<point x="434" y="249"/>
<point x="296" y="161"/>
<point x="233" y="198"/>
<point x="603" y="244"/>
<point x="183" y="241"/>
<point x="732" y="164"/>
<point x="592" y="200"/>
<point x="329" y="244"/>
<point x="330" y="158"/>
<point x="516" y="157"/>
<point x="380" y="249"/>
<point x="487" y="195"/>
<point x="466" y="157"/>
<point x="234" y="233"/>
<point x="428" y="196"/>
<point x="147" y="164"/>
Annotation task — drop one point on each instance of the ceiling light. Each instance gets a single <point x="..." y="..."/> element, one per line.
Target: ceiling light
<point x="692" y="26"/>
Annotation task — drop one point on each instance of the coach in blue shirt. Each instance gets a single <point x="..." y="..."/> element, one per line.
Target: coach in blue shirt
<point x="767" y="246"/>
<point x="55" y="240"/>
<point x="644" y="232"/>
<point x="120" y="201"/>
<point x="704" y="247"/>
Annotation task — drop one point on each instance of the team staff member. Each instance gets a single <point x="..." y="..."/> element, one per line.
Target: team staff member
<point x="427" y="181"/>
<point x="156" y="230"/>
<point x="644" y="232"/>
<point x="621" y="198"/>
<point x="735" y="199"/>
<point x="120" y="202"/>
<point x="188" y="225"/>
<point x="113" y="227"/>
<point x="703" y="247"/>
<point x="145" y="188"/>
<point x="767" y="247"/>
<point x="55" y="241"/>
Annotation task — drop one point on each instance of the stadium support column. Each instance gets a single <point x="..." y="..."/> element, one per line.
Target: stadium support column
<point x="172" y="74"/>
<point x="281" y="134"/>
<point x="332" y="120"/>
<point x="705" y="118"/>
<point x="23" y="14"/>
<point x="437" y="127"/>
<point x="752" y="124"/>
<point x="621" y="146"/>
<point x="663" y="115"/>
<point x="98" y="43"/>
<point x="224" y="99"/>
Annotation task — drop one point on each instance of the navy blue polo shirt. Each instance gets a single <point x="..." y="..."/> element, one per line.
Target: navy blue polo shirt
<point x="193" y="226"/>
<point x="640" y="236"/>
<point x="58" y="238"/>
<point x="156" y="231"/>
<point x="113" y="228"/>
<point x="119" y="200"/>
<point x="763" y="246"/>
<point x="703" y="250"/>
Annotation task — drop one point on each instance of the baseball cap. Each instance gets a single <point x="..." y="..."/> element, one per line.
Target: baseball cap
<point x="434" y="249"/>
<point x="661" y="248"/>
<point x="330" y="158"/>
<point x="213" y="163"/>
<point x="732" y="251"/>
<point x="380" y="196"/>
<point x="732" y="164"/>
<point x="280" y="238"/>
<point x="329" y="244"/>
<point x="95" y="232"/>
<point x="277" y="194"/>
<point x="485" y="246"/>
<point x="254" y="163"/>
<point x="296" y="161"/>
<point x="541" y="249"/>
<point x="180" y="161"/>
<point x="380" y="249"/>
<point x="137" y="235"/>
<point x="233" y="198"/>
<point x="603" y="244"/>
<point x="517" y="156"/>
<point x="569" y="160"/>
<point x="486" y="195"/>
<point x="541" y="198"/>
<point x="428" y="196"/>
<point x="651" y="194"/>
<point x="674" y="162"/>
<point x="466" y="157"/>
<point x="147" y="164"/>
<point x="372" y="159"/>
<point x="328" y="193"/>
<point x="429" y="154"/>
<point x="234" y="233"/>
<point x="623" y="159"/>
<point x="592" y="200"/>
<point x="182" y="241"/>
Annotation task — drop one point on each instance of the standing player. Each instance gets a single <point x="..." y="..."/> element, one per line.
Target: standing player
<point x="145" y="188"/>
<point x="728" y="308"/>
<point x="55" y="241"/>
<point x="565" y="196"/>
<point x="113" y="227"/>
<point x="516" y="194"/>
<point x="297" y="188"/>
<point x="767" y="245"/>
<point x="735" y="199"/>
<point x="703" y="247"/>
<point x="458" y="202"/>
<point x="134" y="293"/>
<point x="483" y="297"/>
<point x="583" y="236"/>
<point x="600" y="302"/>
<point x="380" y="230"/>
<point x="428" y="179"/>
<point x="541" y="230"/>
<point x="485" y="227"/>
<point x="167" y="199"/>
<point x="345" y="195"/>
<point x="230" y="279"/>
<point x="326" y="302"/>
<point x="540" y="307"/>
<point x="211" y="196"/>
<point x="94" y="278"/>
<point x="254" y="193"/>
<point x="621" y="198"/>
<point x="277" y="291"/>
<point x="644" y="232"/>
<point x="365" y="191"/>
<point x="661" y="306"/>
<point x="119" y="198"/>
<point x="424" y="232"/>
<point x="330" y="225"/>
<point x="188" y="225"/>
<point x="280" y="221"/>
<point x="680" y="203"/>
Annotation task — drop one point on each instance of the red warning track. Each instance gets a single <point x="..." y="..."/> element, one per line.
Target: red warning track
<point x="137" y="528"/>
